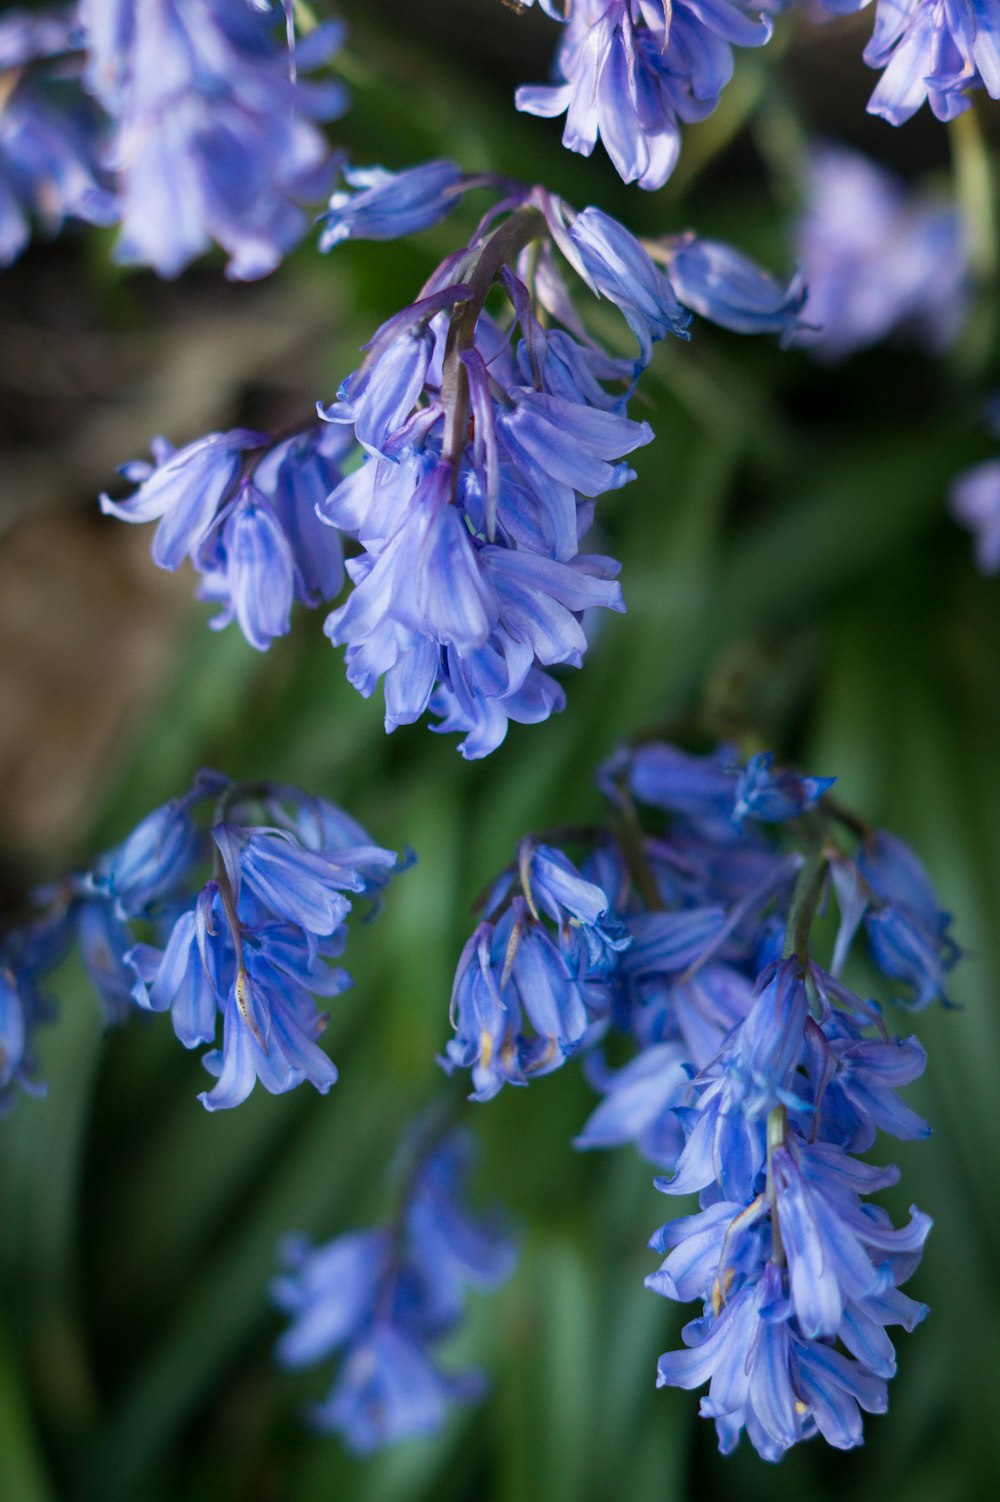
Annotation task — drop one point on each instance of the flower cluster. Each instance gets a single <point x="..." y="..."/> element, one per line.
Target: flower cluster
<point x="387" y="1296"/>
<point x="488" y="420"/>
<point x="185" y="120"/>
<point x="632" y="71"/>
<point x="241" y="506"/>
<point x="49" y="167"/>
<point x="757" y="1075"/>
<point x="213" y="138"/>
<point x="251" y="945"/>
<point x="877" y="258"/>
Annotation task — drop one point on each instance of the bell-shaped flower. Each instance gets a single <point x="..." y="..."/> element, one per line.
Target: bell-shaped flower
<point x="618" y="268"/>
<point x="251" y="574"/>
<point x="640" y="1103"/>
<point x="184" y="488"/>
<point x="775" y="795"/>
<point x="726" y="287"/>
<point x="389" y="205"/>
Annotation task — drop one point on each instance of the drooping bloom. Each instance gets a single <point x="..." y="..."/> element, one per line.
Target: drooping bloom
<point x="934" y="51"/>
<point x="386" y="1297"/>
<point x="632" y="71"/>
<point x="215" y="140"/>
<point x="975" y="503"/>
<point x="241" y="506"/>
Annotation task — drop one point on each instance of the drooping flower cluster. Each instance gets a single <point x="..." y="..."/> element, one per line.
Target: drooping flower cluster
<point x="241" y="506"/>
<point x="877" y="258"/>
<point x="489" y="434"/>
<point x="488" y="421"/>
<point x="49" y="168"/>
<point x="632" y="71"/>
<point x="757" y="1075"/>
<point x="251" y="945"/>
<point x="387" y="1296"/>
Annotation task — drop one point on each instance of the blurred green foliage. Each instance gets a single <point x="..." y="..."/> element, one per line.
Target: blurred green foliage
<point x="787" y="558"/>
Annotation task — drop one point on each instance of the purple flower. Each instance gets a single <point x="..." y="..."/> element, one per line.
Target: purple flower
<point x="774" y="796"/>
<point x="632" y="70"/>
<point x="386" y="1297"/>
<point x="49" y="143"/>
<point x="718" y="283"/>
<point x="907" y="930"/>
<point x="933" y="50"/>
<point x="388" y="205"/>
<point x="876" y="259"/>
<point x="214" y="135"/>
<point x="242" y="507"/>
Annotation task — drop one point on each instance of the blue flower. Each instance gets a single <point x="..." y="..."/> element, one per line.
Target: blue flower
<point x="387" y="1296"/>
<point x="933" y="52"/>
<point x="242" y="507"/>
<point x="975" y="503"/>
<point x="641" y="1104"/>
<point x="214" y="135"/>
<point x="720" y="284"/>
<point x="774" y="796"/>
<point x="620" y="269"/>
<point x="877" y="259"/>
<point x="389" y="205"/>
<point x="907" y="930"/>
<point x="632" y="70"/>
<point x="49" y="144"/>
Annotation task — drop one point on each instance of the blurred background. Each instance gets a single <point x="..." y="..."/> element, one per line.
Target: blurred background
<point x="787" y="558"/>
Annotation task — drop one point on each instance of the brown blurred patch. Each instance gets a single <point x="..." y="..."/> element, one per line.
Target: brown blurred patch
<point x="89" y="627"/>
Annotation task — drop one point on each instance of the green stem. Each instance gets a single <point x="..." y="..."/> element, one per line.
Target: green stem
<point x="805" y="899"/>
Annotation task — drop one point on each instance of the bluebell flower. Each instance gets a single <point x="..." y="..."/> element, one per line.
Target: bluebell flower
<point x="386" y="1297"/>
<point x="618" y="267"/>
<point x="483" y="459"/>
<point x="158" y="857"/>
<point x="241" y="506"/>
<point x="253" y="945"/>
<point x="640" y="1104"/>
<point x="632" y="70"/>
<point x="524" y="999"/>
<point x="104" y="943"/>
<point x="214" y="135"/>
<point x="719" y="283"/>
<point x="935" y="52"/>
<point x="27" y="955"/>
<point x="877" y="259"/>
<point x="388" y="205"/>
<point x="773" y="796"/>
<point x="907" y="930"/>
<point x="701" y="788"/>
<point x="756" y="1074"/>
